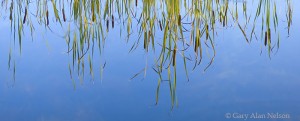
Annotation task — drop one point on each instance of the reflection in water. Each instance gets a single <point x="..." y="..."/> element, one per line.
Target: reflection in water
<point x="174" y="29"/>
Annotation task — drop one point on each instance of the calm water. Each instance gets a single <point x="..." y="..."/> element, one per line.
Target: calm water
<point x="242" y="80"/>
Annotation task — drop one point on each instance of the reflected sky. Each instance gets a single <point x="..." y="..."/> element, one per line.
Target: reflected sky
<point x="241" y="79"/>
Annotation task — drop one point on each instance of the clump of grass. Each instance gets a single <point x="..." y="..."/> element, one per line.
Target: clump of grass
<point x="188" y="25"/>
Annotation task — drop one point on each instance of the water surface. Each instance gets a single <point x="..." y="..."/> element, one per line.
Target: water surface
<point x="242" y="79"/>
